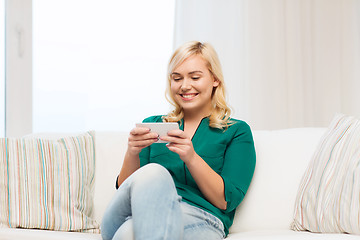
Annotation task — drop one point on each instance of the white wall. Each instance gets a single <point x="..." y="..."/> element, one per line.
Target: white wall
<point x="286" y="63"/>
<point x="18" y="68"/>
<point x="2" y="69"/>
<point x="102" y="73"/>
<point x="220" y="23"/>
<point x="111" y="96"/>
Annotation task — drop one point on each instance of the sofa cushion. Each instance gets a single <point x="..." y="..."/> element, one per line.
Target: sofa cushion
<point x="329" y="194"/>
<point x="36" y="234"/>
<point x="48" y="184"/>
<point x="288" y="235"/>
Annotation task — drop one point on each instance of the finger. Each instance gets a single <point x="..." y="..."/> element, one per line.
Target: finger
<point x="146" y="136"/>
<point x="174" y="149"/>
<point x="177" y="133"/>
<point x="139" y="131"/>
<point x="142" y="144"/>
<point x="176" y="140"/>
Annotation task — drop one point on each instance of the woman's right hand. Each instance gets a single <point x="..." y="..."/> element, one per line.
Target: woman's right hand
<point x="140" y="138"/>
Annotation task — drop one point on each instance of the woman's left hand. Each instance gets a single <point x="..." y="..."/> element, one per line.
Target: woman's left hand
<point x="209" y="182"/>
<point x="181" y="144"/>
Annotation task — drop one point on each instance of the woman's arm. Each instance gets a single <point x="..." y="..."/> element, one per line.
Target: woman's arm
<point x="209" y="182"/>
<point x="139" y="138"/>
<point x="131" y="164"/>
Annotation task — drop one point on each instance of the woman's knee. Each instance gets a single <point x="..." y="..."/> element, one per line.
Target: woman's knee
<point x="151" y="172"/>
<point x="152" y="177"/>
<point x="126" y="231"/>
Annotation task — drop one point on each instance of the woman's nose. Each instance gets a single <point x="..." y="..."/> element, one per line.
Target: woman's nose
<point x="186" y="84"/>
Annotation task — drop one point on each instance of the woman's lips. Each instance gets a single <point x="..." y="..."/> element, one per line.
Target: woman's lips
<point x="188" y="96"/>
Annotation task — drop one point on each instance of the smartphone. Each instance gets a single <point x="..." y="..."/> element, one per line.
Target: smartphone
<point x="161" y="128"/>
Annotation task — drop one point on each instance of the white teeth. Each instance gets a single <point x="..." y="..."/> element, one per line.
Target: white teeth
<point x="188" y="95"/>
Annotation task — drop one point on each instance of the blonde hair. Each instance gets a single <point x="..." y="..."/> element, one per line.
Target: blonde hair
<point x="220" y="114"/>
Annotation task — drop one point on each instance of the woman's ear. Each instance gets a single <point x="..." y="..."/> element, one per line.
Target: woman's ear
<point x="216" y="82"/>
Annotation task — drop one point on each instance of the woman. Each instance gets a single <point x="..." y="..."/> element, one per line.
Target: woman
<point x="190" y="187"/>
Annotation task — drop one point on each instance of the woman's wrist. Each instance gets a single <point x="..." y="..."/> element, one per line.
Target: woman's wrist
<point x="193" y="161"/>
<point x="132" y="152"/>
<point x="130" y="164"/>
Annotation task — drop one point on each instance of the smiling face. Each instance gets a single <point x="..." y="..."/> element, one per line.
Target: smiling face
<point x="192" y="84"/>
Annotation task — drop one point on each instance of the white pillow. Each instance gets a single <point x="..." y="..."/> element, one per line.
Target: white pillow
<point x="47" y="184"/>
<point x="329" y="195"/>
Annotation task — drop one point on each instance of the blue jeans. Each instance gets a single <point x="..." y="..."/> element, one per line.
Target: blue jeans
<point x="146" y="206"/>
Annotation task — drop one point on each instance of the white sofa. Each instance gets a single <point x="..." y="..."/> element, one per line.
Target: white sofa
<point x="265" y="213"/>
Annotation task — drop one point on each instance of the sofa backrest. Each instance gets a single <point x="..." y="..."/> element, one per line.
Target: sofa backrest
<point x="110" y="148"/>
<point x="282" y="157"/>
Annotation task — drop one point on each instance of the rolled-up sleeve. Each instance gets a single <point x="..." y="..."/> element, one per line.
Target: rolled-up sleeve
<point x="239" y="166"/>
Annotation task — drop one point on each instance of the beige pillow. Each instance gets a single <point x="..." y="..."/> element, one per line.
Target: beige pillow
<point x="47" y="184"/>
<point x="329" y="195"/>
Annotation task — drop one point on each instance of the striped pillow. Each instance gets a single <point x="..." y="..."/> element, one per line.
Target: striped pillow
<point x="329" y="194"/>
<point x="47" y="184"/>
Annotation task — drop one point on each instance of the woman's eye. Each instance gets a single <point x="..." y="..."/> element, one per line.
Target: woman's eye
<point x="176" y="79"/>
<point x="195" y="78"/>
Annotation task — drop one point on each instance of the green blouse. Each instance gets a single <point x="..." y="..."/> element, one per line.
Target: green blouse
<point x="230" y="153"/>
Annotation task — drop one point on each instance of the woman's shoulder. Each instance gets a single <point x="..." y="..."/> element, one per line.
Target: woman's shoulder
<point x="239" y="127"/>
<point x="155" y="118"/>
<point x="236" y="123"/>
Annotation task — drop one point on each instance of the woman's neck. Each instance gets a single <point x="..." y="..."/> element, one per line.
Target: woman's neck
<point x="195" y="117"/>
<point x="192" y="122"/>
